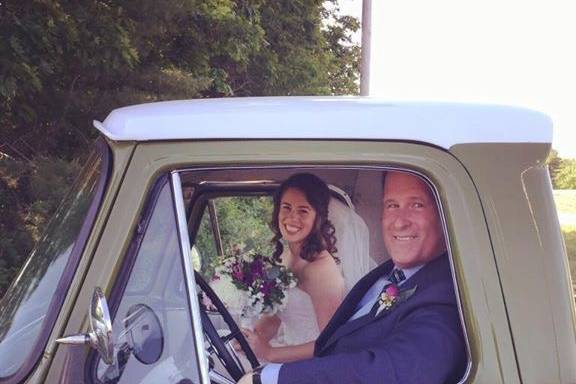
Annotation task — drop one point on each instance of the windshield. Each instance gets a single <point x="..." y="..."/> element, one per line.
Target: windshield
<point x="24" y="310"/>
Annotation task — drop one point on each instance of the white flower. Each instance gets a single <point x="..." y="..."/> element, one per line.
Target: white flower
<point x="233" y="299"/>
<point x="248" y="257"/>
<point x="258" y="308"/>
<point x="259" y="296"/>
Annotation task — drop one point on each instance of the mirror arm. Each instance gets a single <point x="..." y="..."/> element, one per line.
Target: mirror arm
<point x="100" y="335"/>
<point x="78" y="339"/>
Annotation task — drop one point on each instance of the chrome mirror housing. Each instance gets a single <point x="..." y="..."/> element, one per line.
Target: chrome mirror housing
<point x="100" y="335"/>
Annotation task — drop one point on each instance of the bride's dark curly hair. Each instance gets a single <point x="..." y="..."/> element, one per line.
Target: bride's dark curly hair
<point x="321" y="236"/>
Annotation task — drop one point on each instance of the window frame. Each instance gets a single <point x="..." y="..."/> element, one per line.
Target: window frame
<point x="121" y="280"/>
<point x="381" y="168"/>
<point x="172" y="181"/>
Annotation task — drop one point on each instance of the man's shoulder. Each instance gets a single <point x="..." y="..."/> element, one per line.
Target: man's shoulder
<point x="437" y="269"/>
<point x="435" y="279"/>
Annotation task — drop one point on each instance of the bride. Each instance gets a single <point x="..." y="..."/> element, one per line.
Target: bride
<point x="306" y="244"/>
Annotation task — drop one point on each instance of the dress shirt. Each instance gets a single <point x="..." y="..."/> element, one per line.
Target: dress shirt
<point x="371" y="296"/>
<point x="270" y="373"/>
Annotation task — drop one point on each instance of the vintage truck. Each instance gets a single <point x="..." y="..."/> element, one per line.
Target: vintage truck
<point x="113" y="292"/>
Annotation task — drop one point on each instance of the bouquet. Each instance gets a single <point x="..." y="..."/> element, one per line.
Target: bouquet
<point x="252" y="285"/>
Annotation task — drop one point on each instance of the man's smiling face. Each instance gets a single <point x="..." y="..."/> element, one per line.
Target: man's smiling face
<point x="410" y="222"/>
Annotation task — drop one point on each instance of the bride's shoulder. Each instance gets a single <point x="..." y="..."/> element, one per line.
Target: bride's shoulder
<point x="323" y="266"/>
<point x="322" y="279"/>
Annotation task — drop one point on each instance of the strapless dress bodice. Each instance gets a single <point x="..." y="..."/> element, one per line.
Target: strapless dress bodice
<point x="299" y="324"/>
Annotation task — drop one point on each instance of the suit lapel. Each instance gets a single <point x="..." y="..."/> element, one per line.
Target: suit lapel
<point x="338" y="327"/>
<point x="346" y="329"/>
<point x="348" y="307"/>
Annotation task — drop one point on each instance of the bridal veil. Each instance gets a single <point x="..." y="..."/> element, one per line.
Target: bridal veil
<point x="352" y="242"/>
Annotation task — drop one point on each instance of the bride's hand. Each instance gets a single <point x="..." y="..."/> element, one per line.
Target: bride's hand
<point x="246" y="379"/>
<point x="259" y="345"/>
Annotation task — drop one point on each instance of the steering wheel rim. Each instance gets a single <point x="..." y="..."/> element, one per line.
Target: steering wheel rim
<point x="218" y="342"/>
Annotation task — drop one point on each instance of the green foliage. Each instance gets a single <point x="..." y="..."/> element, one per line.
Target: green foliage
<point x="565" y="178"/>
<point x="29" y="194"/>
<point x="569" y="234"/>
<point x="244" y="222"/>
<point x="62" y="64"/>
<point x="345" y="56"/>
<point x="244" y="225"/>
<point x="52" y="249"/>
<point x="554" y="163"/>
<point x="562" y="171"/>
<point x="566" y="206"/>
<point x="205" y="246"/>
<point x="65" y="63"/>
<point x="51" y="52"/>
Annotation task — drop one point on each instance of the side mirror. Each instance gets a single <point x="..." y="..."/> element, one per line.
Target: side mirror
<point x="100" y="335"/>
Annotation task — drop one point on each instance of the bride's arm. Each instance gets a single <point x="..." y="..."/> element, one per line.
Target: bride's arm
<point x="264" y="351"/>
<point x="325" y="285"/>
<point x="322" y="280"/>
<point x="267" y="327"/>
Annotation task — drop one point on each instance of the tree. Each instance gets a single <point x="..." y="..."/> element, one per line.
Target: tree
<point x="562" y="171"/>
<point x="554" y="163"/>
<point x="64" y="63"/>
<point x="565" y="178"/>
<point x="52" y="55"/>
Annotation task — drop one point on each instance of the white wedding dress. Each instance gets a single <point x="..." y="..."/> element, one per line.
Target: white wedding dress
<point x="298" y="318"/>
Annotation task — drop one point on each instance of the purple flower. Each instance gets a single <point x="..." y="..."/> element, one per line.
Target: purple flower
<point x="267" y="287"/>
<point x="257" y="268"/>
<point x="392" y="291"/>
<point x="237" y="273"/>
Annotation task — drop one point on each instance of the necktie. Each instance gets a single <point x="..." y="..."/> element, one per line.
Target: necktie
<point x="396" y="276"/>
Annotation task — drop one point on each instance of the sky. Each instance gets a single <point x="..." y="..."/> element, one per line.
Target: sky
<point x="512" y="52"/>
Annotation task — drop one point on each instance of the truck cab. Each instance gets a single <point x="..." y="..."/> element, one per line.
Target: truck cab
<point x="115" y="290"/>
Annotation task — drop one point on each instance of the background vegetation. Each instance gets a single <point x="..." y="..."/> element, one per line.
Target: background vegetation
<point x="244" y="226"/>
<point x="569" y="232"/>
<point x="562" y="172"/>
<point x="566" y="205"/>
<point x="65" y="63"/>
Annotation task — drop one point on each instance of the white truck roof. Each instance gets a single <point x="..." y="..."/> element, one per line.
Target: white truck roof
<point x="360" y="118"/>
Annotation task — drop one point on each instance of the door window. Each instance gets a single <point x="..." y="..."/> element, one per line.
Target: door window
<point x="152" y="326"/>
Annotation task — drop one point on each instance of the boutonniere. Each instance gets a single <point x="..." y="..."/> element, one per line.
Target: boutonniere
<point x="392" y="296"/>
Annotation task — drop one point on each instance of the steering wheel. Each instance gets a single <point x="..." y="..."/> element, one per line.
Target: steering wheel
<point x="220" y="344"/>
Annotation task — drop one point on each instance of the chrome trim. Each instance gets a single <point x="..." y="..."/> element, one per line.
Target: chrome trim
<point x="100" y="336"/>
<point x="237" y="183"/>
<point x="77" y="339"/>
<point x="193" y="304"/>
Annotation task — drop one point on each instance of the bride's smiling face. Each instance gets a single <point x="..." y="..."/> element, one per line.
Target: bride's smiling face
<point x="296" y="216"/>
